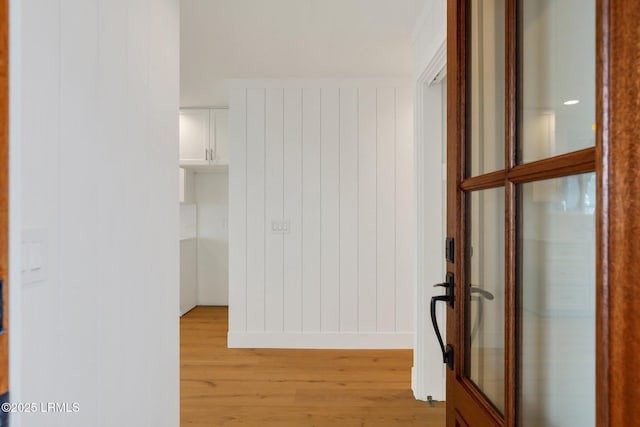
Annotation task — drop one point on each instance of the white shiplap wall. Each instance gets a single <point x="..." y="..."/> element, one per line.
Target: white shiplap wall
<point x="94" y="106"/>
<point x="335" y="160"/>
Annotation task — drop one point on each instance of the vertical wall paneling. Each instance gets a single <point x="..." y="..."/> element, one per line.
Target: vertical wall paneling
<point x="255" y="262"/>
<point x="238" y="205"/>
<point x="79" y="85"/>
<point x="112" y="90"/>
<point x="311" y="208"/>
<point x="292" y="206"/>
<point x="367" y="208"/>
<point x="386" y="223"/>
<point x="273" y="179"/>
<point x="348" y="203"/>
<point x="94" y="104"/>
<point x="330" y="209"/>
<point x="332" y="160"/>
<point x="404" y="215"/>
<point x="33" y="193"/>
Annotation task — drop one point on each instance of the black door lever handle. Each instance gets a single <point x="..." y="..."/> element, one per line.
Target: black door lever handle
<point x="448" y="285"/>
<point x="447" y="352"/>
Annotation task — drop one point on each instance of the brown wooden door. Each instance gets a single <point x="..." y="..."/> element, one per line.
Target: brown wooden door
<point x="542" y="201"/>
<point x="4" y="204"/>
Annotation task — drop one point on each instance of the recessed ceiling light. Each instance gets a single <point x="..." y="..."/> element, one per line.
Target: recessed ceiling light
<point x="571" y="102"/>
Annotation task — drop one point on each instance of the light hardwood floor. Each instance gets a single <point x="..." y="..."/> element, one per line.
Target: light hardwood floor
<point x="259" y="387"/>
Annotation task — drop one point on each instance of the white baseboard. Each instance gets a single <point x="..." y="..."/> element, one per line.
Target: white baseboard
<point x="318" y="340"/>
<point x="184" y="311"/>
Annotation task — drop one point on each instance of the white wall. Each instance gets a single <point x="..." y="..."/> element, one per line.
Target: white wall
<point x="188" y="275"/>
<point x="212" y="199"/>
<point x="189" y="186"/>
<point x="97" y="105"/>
<point x="188" y="244"/>
<point x="429" y="31"/>
<point x="334" y="160"/>
<point x="289" y="39"/>
<point x="188" y="255"/>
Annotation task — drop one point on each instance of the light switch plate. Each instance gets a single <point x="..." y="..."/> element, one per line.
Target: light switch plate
<point x="34" y="255"/>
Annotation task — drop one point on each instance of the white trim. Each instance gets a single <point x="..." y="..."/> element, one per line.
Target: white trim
<point x="186" y="310"/>
<point x="417" y="384"/>
<point x="320" y="83"/>
<point x="318" y="340"/>
<point x="436" y="69"/>
<point x="428" y="375"/>
<point x="15" y="205"/>
<point x="205" y="107"/>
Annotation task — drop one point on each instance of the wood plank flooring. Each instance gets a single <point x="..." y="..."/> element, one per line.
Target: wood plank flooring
<point x="264" y="387"/>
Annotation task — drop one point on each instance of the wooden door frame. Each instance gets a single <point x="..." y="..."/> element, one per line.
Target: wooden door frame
<point x="618" y="220"/>
<point x="616" y="160"/>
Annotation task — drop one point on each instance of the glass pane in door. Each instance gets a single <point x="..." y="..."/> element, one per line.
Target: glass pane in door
<point x="485" y="287"/>
<point x="558" y="308"/>
<point x="558" y="77"/>
<point x="486" y="85"/>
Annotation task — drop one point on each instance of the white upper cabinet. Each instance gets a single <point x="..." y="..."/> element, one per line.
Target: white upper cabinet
<point x="220" y="117"/>
<point x="204" y="137"/>
<point x="194" y="136"/>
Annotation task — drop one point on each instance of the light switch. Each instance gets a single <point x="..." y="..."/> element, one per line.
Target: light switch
<point x="34" y="256"/>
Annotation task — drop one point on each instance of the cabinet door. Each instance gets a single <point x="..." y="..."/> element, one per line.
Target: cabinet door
<point x="194" y="136"/>
<point x="221" y="119"/>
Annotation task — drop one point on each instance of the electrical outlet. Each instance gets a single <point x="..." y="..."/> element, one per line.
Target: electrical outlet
<point x="280" y="227"/>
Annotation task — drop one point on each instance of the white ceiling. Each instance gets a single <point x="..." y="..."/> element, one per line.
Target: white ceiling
<point x="225" y="39"/>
